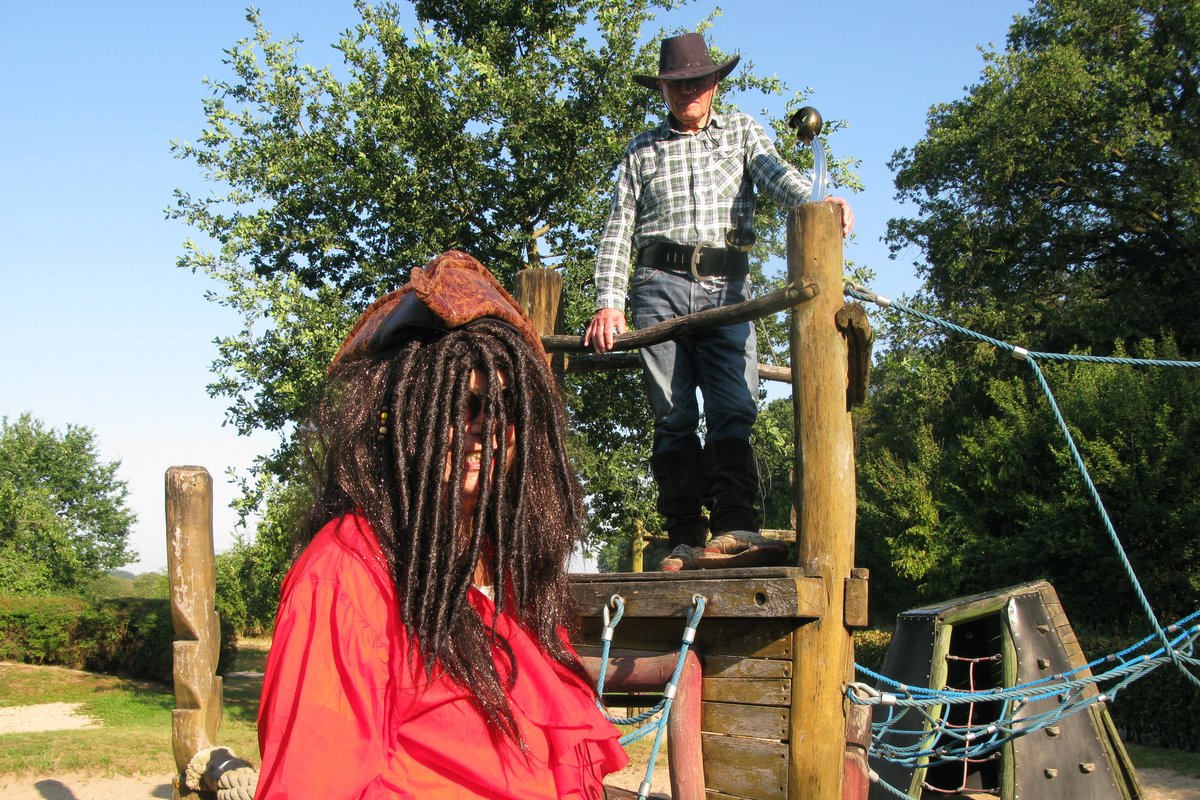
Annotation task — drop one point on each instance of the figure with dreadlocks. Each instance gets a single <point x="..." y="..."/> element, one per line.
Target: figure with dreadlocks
<point x="420" y="645"/>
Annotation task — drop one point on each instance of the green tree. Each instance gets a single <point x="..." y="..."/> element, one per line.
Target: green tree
<point x="250" y="574"/>
<point x="1059" y="201"/>
<point x="1057" y="208"/>
<point x="63" y="517"/>
<point x="494" y="128"/>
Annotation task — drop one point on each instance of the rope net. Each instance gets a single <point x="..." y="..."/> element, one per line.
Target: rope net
<point x="965" y="727"/>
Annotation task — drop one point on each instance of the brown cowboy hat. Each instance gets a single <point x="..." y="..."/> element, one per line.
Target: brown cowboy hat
<point x="452" y="290"/>
<point x="681" y="58"/>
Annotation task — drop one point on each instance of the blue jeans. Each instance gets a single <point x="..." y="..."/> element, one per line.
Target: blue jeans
<point x="721" y="362"/>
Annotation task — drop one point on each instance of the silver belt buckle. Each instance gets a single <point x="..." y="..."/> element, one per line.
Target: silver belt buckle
<point x="707" y="281"/>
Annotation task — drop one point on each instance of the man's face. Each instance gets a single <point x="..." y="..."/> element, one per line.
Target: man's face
<point x="690" y="101"/>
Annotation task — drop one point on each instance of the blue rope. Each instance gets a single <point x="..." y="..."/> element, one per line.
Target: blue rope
<point x="1104" y="518"/>
<point x="659" y="726"/>
<point x="1029" y="357"/>
<point x="935" y="742"/>
<point x="932" y="742"/>
<point x="1120" y="656"/>
<point x="862" y="293"/>
<point x="1179" y="647"/>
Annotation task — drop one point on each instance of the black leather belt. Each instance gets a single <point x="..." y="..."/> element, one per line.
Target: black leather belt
<point x="702" y="261"/>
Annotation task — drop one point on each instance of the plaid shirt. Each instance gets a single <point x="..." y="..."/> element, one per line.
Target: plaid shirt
<point x="689" y="189"/>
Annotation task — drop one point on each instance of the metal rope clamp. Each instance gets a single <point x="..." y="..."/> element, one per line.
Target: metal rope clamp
<point x="610" y="625"/>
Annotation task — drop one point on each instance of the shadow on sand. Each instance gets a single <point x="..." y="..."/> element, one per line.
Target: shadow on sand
<point x="57" y="790"/>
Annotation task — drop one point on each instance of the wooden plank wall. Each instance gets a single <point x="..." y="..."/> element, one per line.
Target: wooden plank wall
<point x="747" y="663"/>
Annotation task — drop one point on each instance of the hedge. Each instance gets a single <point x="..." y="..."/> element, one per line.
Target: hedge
<point x="121" y="636"/>
<point x="1159" y="710"/>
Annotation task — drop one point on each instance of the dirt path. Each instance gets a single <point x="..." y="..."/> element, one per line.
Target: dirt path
<point x="1162" y="784"/>
<point x="44" y="717"/>
<point x="84" y="787"/>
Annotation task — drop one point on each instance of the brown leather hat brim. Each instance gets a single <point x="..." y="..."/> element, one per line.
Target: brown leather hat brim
<point x="452" y="290"/>
<point x="722" y="71"/>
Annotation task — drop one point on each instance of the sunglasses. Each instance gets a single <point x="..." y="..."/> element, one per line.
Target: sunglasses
<point x="693" y="84"/>
<point x="476" y="401"/>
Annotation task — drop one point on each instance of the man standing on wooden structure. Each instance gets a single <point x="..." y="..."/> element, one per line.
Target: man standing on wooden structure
<point x="683" y="211"/>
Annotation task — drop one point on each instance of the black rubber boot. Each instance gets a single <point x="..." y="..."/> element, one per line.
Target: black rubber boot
<point x="731" y="486"/>
<point x="679" y="476"/>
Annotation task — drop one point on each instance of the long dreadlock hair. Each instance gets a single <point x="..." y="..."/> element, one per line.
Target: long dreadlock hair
<point x="525" y="521"/>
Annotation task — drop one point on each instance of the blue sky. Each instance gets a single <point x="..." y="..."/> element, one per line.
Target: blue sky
<point x="98" y="327"/>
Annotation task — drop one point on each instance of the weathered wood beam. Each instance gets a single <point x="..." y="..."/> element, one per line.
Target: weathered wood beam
<point x="744" y="593"/>
<point x="771" y="303"/>
<point x="539" y="291"/>
<point x="825" y="502"/>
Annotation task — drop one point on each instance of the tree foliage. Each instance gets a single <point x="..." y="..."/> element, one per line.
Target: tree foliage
<point x="491" y="127"/>
<point x="1061" y="197"/>
<point x="63" y="514"/>
<point x="459" y="133"/>
<point x="1058" y="208"/>
<point x="250" y="575"/>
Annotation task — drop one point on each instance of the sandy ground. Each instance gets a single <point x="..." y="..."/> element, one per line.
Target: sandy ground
<point x="44" y="717"/>
<point x="1157" y="784"/>
<point x="82" y="787"/>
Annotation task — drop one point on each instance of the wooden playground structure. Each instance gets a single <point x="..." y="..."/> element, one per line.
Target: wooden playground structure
<point x="765" y="693"/>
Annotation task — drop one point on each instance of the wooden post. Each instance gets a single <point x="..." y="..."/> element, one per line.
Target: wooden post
<point x="638" y="549"/>
<point x="539" y="291"/>
<point x="192" y="574"/>
<point x="825" y="502"/>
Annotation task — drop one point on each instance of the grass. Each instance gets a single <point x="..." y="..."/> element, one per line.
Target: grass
<point x="135" y="738"/>
<point x="1178" y="761"/>
<point x="252" y="654"/>
<point x="639" y="751"/>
